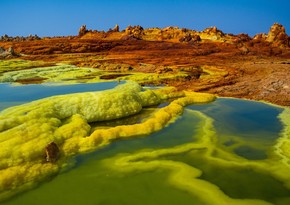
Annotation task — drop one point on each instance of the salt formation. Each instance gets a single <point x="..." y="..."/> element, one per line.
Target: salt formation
<point x="26" y="130"/>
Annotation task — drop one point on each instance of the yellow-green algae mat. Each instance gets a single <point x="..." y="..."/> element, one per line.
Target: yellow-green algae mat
<point x="27" y="129"/>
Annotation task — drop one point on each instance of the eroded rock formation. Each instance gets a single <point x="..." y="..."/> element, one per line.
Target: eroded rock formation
<point x="135" y="31"/>
<point x="190" y="38"/>
<point x="9" y="53"/>
<point x="212" y="33"/>
<point x="6" y="38"/>
<point x="276" y="36"/>
<point x="83" y="30"/>
<point x="116" y="28"/>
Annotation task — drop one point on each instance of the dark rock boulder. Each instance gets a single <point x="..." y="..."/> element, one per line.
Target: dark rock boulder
<point x="196" y="38"/>
<point x="190" y="38"/>
<point x="185" y="38"/>
<point x="52" y="152"/>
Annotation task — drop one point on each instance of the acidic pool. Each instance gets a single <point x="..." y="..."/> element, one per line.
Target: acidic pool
<point x="215" y="153"/>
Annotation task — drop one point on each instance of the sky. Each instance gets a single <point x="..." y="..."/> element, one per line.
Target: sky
<point x="65" y="17"/>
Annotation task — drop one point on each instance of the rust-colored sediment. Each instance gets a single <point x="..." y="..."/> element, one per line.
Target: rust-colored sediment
<point x="230" y="65"/>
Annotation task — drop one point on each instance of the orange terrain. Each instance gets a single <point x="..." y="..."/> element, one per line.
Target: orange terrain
<point x="224" y="64"/>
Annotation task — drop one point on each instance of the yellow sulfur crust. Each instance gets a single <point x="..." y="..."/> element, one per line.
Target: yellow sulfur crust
<point x="25" y="130"/>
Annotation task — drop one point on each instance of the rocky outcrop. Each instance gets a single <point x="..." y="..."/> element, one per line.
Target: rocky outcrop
<point x="203" y="43"/>
<point x="277" y="36"/>
<point x="83" y="30"/>
<point x="212" y="33"/>
<point x="190" y="38"/>
<point x="6" y="38"/>
<point x="116" y="28"/>
<point x="260" y="37"/>
<point x="9" y="53"/>
<point x="135" y="31"/>
<point x="52" y="152"/>
<point x="242" y="37"/>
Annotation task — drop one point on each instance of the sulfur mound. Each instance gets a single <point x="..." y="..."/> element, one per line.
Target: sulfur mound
<point x="26" y="130"/>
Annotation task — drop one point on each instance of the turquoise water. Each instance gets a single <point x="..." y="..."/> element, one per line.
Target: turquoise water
<point x="245" y="129"/>
<point x="15" y="94"/>
<point x="242" y="121"/>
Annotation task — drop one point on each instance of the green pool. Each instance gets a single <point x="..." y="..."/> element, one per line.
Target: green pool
<point x="216" y="153"/>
